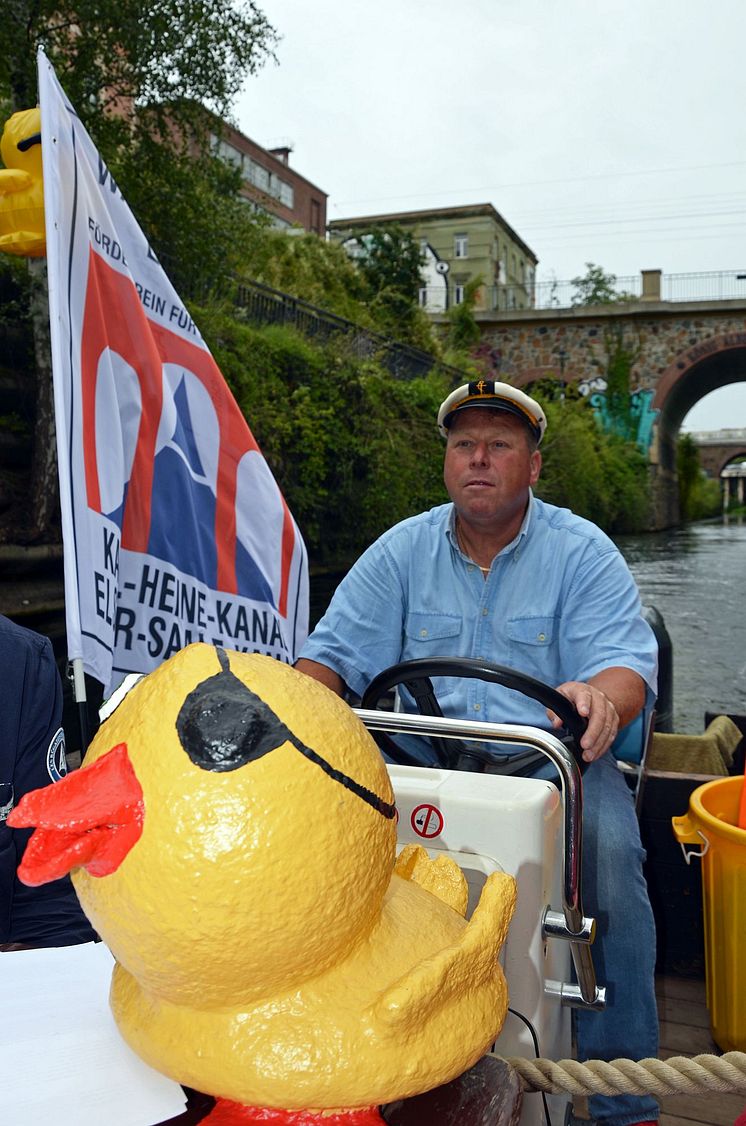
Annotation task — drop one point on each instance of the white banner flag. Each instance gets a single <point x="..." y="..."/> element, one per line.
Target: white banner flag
<point x="174" y="529"/>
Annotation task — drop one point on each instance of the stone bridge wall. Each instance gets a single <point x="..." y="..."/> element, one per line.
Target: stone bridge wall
<point x="713" y="458"/>
<point x="529" y="345"/>
<point x="682" y="351"/>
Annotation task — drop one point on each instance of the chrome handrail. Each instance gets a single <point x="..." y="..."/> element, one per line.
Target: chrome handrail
<point x="577" y="928"/>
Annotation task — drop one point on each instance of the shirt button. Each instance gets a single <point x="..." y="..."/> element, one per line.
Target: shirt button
<point x="470" y="567"/>
<point x="542" y="637"/>
<point x="423" y="633"/>
<point x="477" y="707"/>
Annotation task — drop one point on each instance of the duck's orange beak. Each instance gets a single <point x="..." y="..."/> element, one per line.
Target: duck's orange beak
<point x="91" y="819"/>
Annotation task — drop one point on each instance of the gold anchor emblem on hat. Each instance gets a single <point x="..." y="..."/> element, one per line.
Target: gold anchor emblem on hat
<point x="480" y="387"/>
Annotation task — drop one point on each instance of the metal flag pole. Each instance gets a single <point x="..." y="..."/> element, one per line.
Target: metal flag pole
<point x="77" y="677"/>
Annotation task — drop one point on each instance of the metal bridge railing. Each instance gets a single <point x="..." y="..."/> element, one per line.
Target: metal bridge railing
<point x="713" y="285"/>
<point x="265" y="305"/>
<point x="709" y="285"/>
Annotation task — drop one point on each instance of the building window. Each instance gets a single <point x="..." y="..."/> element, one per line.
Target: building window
<point x="286" y="194"/>
<point x="422" y="297"/>
<point x="315" y="217"/>
<point x="458" y="294"/>
<point x="258" y="176"/>
<point x="227" y="152"/>
<point x="461" y="246"/>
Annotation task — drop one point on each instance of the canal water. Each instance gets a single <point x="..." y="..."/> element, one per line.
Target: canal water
<point x="696" y="578"/>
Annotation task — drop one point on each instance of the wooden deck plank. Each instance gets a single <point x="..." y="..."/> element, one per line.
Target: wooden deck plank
<point x="685" y="1031"/>
<point x="671" y="1120"/>
<point x="675" y="1120"/>
<point x="674" y="1010"/>
<point x="686" y="1039"/>
<point x="683" y="988"/>
<point x="716" y="1108"/>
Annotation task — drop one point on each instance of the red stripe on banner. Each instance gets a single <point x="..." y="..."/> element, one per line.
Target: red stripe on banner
<point x="288" y="547"/>
<point x="115" y="319"/>
<point x="236" y="440"/>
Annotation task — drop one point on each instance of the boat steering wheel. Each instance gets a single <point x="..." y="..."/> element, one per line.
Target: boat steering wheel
<point x="415" y="676"/>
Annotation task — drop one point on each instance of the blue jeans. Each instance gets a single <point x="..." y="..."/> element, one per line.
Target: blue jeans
<point x="615" y="895"/>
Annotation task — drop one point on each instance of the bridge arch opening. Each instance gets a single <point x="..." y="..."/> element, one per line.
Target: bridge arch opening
<point x="714" y="363"/>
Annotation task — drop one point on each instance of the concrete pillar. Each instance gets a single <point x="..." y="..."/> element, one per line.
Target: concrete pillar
<point x="740" y="490"/>
<point x="664" y="495"/>
<point x="651" y="285"/>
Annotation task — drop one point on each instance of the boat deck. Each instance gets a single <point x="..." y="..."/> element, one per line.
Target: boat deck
<point x="685" y="1031"/>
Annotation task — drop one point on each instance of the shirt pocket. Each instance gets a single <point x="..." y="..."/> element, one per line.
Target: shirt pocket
<point x="434" y="635"/>
<point x="429" y="630"/>
<point x="533" y="646"/>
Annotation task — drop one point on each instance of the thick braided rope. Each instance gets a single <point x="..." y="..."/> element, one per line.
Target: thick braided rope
<point x="678" y="1075"/>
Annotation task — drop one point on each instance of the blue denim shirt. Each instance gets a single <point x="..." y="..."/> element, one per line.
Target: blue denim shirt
<point x="559" y="604"/>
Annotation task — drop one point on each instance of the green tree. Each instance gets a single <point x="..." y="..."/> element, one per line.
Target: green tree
<point x="113" y="55"/>
<point x="598" y="475"/>
<point x="142" y="78"/>
<point x="390" y="261"/>
<point x="620" y="359"/>
<point x="596" y="287"/>
<point x="699" y="495"/>
<point x="317" y="271"/>
<point x="463" y="330"/>
<point x="341" y="435"/>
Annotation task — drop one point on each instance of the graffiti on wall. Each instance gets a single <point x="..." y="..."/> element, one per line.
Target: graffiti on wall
<point x="637" y="425"/>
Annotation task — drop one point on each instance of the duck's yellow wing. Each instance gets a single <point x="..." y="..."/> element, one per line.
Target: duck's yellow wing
<point x="458" y="969"/>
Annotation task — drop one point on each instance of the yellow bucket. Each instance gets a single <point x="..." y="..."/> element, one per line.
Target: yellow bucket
<point x="710" y="823"/>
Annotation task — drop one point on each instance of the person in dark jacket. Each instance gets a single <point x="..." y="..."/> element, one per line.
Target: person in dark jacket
<point x="32" y="754"/>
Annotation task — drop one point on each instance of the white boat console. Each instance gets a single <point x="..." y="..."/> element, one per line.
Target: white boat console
<point x="532" y="830"/>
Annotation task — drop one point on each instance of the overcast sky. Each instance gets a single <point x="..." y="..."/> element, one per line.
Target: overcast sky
<point x="606" y="131"/>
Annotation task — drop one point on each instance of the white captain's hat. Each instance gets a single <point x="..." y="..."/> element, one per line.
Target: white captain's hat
<point x="493" y="396"/>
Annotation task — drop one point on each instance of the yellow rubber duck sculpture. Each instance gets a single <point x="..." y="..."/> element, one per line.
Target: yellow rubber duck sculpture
<point x="22" y="187"/>
<point x="232" y="838"/>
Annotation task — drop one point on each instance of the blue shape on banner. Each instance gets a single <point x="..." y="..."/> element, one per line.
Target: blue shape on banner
<point x="182" y="529"/>
<point x="183" y="435"/>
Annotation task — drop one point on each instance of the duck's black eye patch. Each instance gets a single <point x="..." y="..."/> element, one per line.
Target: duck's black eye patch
<point x="222" y="724"/>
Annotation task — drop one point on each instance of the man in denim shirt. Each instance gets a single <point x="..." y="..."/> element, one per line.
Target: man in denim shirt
<point x="501" y="576"/>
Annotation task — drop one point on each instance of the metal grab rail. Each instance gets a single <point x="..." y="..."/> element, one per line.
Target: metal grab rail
<point x="571" y="924"/>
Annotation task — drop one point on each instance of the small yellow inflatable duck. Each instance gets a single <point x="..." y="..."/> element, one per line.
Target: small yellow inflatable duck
<point x="232" y="834"/>
<point x="22" y="187"/>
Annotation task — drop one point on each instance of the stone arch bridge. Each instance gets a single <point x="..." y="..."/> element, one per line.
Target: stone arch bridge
<point x="717" y="448"/>
<point x="682" y="350"/>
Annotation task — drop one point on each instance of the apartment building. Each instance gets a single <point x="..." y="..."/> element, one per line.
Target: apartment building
<point x="270" y="184"/>
<point x="458" y="244"/>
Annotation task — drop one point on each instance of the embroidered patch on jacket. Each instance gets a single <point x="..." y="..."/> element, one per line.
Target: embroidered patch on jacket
<point x="56" y="761"/>
<point x="6" y="800"/>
